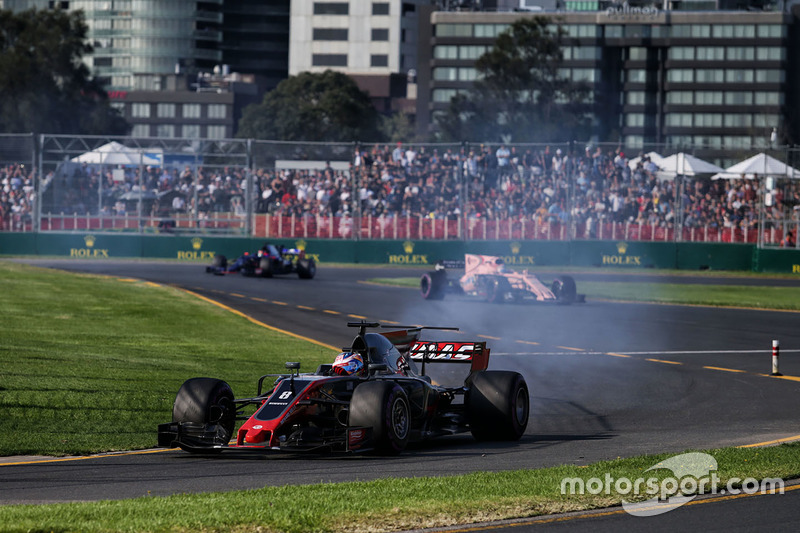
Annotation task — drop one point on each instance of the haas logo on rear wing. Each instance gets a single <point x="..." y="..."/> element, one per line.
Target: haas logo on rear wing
<point x="475" y="353"/>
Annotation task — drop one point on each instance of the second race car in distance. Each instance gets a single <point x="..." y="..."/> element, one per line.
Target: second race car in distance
<point x="380" y="393"/>
<point x="488" y="278"/>
<point x="268" y="261"/>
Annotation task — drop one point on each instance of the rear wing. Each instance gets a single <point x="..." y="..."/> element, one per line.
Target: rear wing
<point x="474" y="353"/>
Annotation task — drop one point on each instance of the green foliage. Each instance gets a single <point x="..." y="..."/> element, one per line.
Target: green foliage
<point x="46" y="87"/>
<point x="93" y="364"/>
<point x="326" y="107"/>
<point x="519" y="95"/>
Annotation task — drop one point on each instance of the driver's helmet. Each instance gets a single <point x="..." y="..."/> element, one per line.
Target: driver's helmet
<point x="348" y="364"/>
<point x="501" y="265"/>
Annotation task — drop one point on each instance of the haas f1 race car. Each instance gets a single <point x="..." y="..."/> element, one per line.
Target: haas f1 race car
<point x="267" y="262"/>
<point x="487" y="277"/>
<point x="377" y="396"/>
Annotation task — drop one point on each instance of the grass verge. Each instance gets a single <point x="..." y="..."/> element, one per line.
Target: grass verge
<point x="383" y="505"/>
<point x="93" y="363"/>
<point x="760" y="297"/>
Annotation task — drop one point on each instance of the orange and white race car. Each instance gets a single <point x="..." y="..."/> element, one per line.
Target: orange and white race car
<point x="487" y="277"/>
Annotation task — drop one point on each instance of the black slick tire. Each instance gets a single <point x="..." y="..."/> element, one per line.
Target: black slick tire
<point x="383" y="406"/>
<point x="205" y="401"/>
<point x="265" y="264"/>
<point x="564" y="289"/>
<point x="306" y="268"/>
<point x="432" y="284"/>
<point x="220" y="262"/>
<point x="498" y="405"/>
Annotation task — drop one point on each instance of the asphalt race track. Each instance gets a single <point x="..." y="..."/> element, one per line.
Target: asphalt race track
<point x="607" y="380"/>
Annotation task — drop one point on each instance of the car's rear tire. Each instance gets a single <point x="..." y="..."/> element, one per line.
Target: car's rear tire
<point x="220" y="261"/>
<point x="383" y="406"/>
<point x="205" y="401"/>
<point x="265" y="264"/>
<point x="564" y="289"/>
<point x="432" y="285"/>
<point x="306" y="268"/>
<point x="498" y="405"/>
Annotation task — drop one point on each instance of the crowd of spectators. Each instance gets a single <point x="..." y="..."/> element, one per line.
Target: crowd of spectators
<point x="16" y="197"/>
<point x="589" y="187"/>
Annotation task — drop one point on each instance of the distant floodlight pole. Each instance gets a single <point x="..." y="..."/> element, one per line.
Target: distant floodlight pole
<point x="776" y="347"/>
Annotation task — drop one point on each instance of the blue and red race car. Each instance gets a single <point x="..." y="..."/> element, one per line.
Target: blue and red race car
<point x="379" y="395"/>
<point x="268" y="261"/>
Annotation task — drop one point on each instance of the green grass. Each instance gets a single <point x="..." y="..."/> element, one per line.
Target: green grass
<point x="93" y="363"/>
<point x="762" y="297"/>
<point x="382" y="505"/>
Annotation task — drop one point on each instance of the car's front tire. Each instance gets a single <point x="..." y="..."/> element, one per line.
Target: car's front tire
<point x="383" y="406"/>
<point x="205" y="401"/>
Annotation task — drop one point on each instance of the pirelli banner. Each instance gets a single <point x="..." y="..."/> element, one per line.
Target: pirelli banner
<point x="423" y="253"/>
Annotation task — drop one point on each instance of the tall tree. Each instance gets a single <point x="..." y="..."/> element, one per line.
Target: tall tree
<point x="313" y="107"/>
<point x="520" y="94"/>
<point x="46" y="87"/>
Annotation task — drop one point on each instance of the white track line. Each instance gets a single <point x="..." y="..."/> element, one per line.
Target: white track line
<point x="604" y="352"/>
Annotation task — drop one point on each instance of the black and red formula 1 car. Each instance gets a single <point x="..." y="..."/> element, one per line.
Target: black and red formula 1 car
<point x="269" y="261"/>
<point x="487" y="277"/>
<point x="377" y="396"/>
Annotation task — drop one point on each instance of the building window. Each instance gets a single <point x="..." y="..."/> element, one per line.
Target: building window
<point x="738" y="75"/>
<point x="739" y="53"/>
<point x="165" y="110"/>
<point x="636" y="75"/>
<point x="454" y="30"/>
<point x="709" y="75"/>
<point x="708" y="120"/>
<point x="613" y="31"/>
<point x="140" y="110"/>
<point x="379" y="60"/>
<point x="191" y="110"/>
<point x="770" y="53"/>
<point x="331" y="8"/>
<point x="471" y="51"/>
<point x="329" y="34"/>
<point x="634" y="141"/>
<point x="679" y="120"/>
<point x="710" y="53"/>
<point x="635" y="98"/>
<point x="770" y="76"/>
<point x="680" y="75"/>
<point x="773" y="31"/>
<point x="679" y="98"/>
<point x="329" y="60"/>
<point x="738" y="98"/>
<point x="190" y="131"/>
<point x="682" y="53"/>
<point x="380" y="34"/>
<point x="215" y="132"/>
<point x="445" y="52"/>
<point x="489" y="30"/>
<point x="726" y="31"/>
<point x="380" y="8"/>
<point x="738" y="121"/>
<point x="216" y="111"/>
<point x="708" y="98"/>
<point x="443" y="95"/>
<point x="634" y="120"/>
<point x="637" y="53"/>
<point x="165" y="130"/>
<point x="768" y="98"/>
<point x="140" y="130"/>
<point x="766" y="121"/>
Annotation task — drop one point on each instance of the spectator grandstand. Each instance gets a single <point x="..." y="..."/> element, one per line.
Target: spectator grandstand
<point x="413" y="191"/>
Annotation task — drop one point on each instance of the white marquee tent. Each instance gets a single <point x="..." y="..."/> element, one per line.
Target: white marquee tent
<point x="115" y="153"/>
